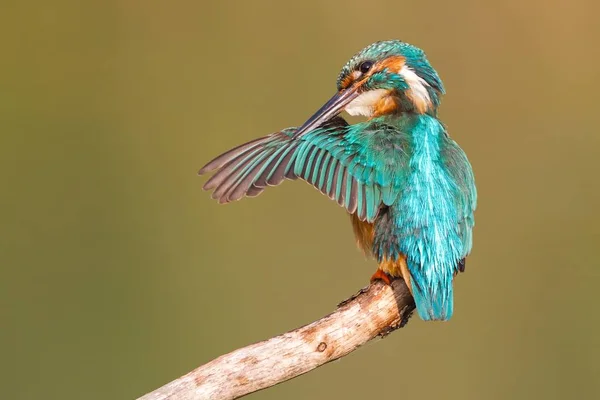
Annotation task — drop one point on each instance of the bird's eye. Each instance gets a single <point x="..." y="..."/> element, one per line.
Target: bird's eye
<point x="365" y="66"/>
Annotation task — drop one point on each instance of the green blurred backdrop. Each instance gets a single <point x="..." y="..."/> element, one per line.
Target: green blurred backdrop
<point x="120" y="274"/>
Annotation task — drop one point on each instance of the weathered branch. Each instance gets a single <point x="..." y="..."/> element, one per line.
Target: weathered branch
<point x="374" y="311"/>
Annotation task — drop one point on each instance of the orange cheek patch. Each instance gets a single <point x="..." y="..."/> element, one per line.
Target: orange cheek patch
<point x="394" y="64"/>
<point x="386" y="105"/>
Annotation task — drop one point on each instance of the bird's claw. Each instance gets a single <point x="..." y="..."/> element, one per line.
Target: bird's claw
<point x="379" y="275"/>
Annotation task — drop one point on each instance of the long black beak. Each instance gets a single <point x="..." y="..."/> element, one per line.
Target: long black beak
<point x="333" y="107"/>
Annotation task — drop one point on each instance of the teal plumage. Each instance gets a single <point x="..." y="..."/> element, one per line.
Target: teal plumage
<point x="398" y="173"/>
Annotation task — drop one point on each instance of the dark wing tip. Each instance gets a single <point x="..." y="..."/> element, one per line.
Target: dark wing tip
<point x="248" y="168"/>
<point x="229" y="155"/>
<point x="202" y="171"/>
<point x="462" y="265"/>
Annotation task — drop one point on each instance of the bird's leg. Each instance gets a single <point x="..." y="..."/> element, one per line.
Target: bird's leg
<point x="393" y="269"/>
<point x="379" y="275"/>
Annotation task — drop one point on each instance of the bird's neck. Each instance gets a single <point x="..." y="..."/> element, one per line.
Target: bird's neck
<point x="418" y="124"/>
<point x="426" y="132"/>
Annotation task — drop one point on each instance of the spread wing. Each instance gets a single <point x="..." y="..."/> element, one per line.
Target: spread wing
<point x="360" y="166"/>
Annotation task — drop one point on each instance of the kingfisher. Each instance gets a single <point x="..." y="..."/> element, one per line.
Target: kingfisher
<point x="408" y="187"/>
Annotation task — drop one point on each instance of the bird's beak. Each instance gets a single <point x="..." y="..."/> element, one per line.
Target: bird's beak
<point x="333" y="107"/>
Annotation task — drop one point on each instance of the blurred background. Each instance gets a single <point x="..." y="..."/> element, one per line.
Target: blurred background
<point x="119" y="274"/>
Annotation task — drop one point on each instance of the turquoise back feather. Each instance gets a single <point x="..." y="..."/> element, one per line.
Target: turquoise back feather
<point x="434" y="216"/>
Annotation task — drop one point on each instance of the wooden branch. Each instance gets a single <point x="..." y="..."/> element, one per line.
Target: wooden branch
<point x="375" y="311"/>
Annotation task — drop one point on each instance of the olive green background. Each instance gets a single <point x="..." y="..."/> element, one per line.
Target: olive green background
<point x="119" y="274"/>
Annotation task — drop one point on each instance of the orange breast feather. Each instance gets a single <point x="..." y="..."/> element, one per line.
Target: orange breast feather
<point x="364" y="232"/>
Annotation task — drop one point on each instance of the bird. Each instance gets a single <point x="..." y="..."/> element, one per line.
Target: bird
<point x="407" y="185"/>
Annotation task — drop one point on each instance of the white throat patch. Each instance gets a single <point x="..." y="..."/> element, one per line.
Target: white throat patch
<point x="418" y="88"/>
<point x="365" y="103"/>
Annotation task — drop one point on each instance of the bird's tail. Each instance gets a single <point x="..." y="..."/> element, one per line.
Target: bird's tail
<point x="434" y="300"/>
<point x="247" y="169"/>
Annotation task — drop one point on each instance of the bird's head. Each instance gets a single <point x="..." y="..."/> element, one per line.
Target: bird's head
<point x="383" y="78"/>
<point x="390" y="76"/>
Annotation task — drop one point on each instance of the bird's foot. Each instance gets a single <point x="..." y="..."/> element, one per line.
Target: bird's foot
<point x="379" y="275"/>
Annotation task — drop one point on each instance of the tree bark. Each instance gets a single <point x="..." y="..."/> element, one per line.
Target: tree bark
<point x="375" y="311"/>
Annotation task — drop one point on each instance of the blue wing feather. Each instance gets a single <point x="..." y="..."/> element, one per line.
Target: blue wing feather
<point x="341" y="161"/>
